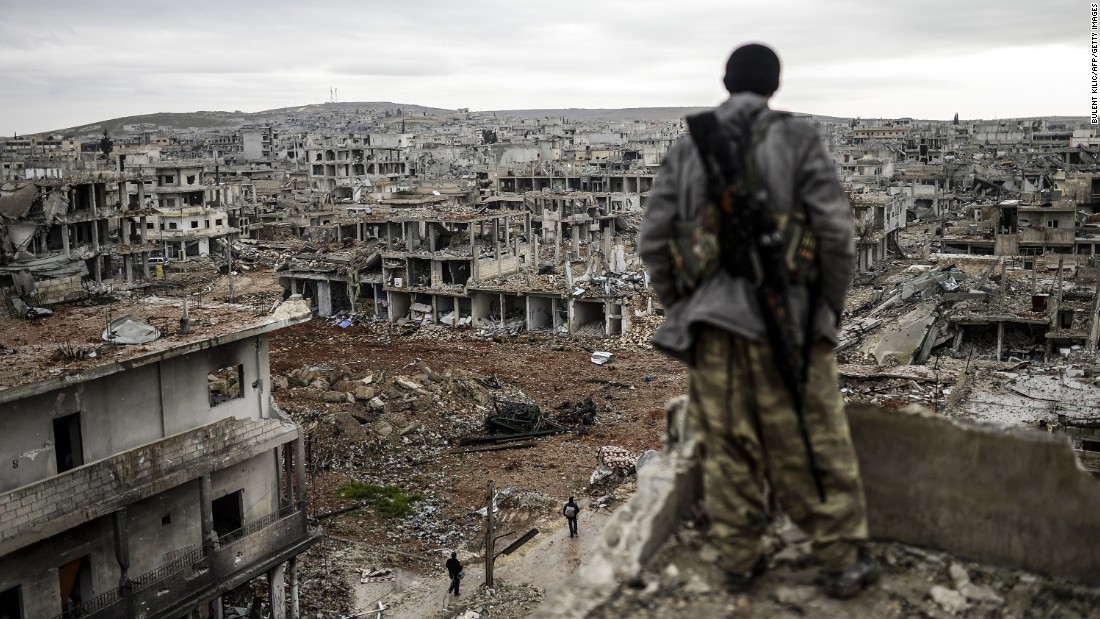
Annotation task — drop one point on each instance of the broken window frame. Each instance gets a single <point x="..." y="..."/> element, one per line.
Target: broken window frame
<point x="217" y="398"/>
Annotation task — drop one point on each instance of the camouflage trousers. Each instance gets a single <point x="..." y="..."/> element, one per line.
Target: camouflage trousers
<point x="750" y="439"/>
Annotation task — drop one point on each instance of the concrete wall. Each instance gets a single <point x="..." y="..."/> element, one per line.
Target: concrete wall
<point x="256" y="478"/>
<point x="185" y="396"/>
<point x="150" y="538"/>
<point x="96" y="489"/>
<point x="35" y="568"/>
<point x="1003" y="496"/>
<point x="60" y="289"/>
<point x="122" y="411"/>
<point x="491" y="267"/>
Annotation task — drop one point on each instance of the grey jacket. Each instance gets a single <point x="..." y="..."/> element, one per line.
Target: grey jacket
<point x="797" y="171"/>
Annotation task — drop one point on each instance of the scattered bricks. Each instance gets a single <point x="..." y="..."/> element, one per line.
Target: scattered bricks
<point x="333" y="397"/>
<point x="365" y="393"/>
<point x="408" y="384"/>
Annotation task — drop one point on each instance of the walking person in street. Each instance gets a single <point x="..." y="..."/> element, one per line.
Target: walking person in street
<point x="570" y="511"/>
<point x="454" y="570"/>
<point x="748" y="241"/>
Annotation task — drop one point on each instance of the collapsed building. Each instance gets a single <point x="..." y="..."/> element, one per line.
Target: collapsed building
<point x="58" y="233"/>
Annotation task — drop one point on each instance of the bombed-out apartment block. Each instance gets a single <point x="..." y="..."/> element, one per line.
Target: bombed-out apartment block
<point x="149" y="474"/>
<point x="345" y="169"/>
<point x="629" y="188"/>
<point x="1013" y="228"/>
<point x="186" y="213"/>
<point x="57" y="233"/>
<point x="578" y="219"/>
<point x="462" y="267"/>
<point x="61" y="234"/>
<point x="878" y="218"/>
<point x="426" y="257"/>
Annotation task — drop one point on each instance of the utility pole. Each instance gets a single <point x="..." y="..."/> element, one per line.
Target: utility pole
<point x="489" y="538"/>
<point x="229" y="268"/>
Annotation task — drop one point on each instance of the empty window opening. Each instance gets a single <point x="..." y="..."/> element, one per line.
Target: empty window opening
<point x="190" y="179"/>
<point x="1066" y="318"/>
<point x="76" y="582"/>
<point x="227" y="514"/>
<point x="456" y="272"/>
<point x="225" y="384"/>
<point x="11" y="604"/>
<point x="172" y="226"/>
<point x="1087" y="445"/>
<point x="66" y="442"/>
<point x="166" y="520"/>
<point x="194" y="224"/>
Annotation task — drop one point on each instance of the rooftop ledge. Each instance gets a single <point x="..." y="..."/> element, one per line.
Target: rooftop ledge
<point x="29" y="364"/>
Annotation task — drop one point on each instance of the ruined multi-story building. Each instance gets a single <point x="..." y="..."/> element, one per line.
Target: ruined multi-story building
<point x="150" y="474"/>
<point x="187" y="214"/>
<point x="347" y="166"/>
<point x="59" y="232"/>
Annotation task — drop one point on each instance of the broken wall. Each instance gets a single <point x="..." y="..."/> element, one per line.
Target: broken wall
<point x="988" y="493"/>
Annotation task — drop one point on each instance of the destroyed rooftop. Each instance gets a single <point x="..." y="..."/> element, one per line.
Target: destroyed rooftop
<point x="68" y="347"/>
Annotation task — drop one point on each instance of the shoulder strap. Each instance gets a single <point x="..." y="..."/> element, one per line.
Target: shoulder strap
<point x="760" y="128"/>
<point x="705" y="132"/>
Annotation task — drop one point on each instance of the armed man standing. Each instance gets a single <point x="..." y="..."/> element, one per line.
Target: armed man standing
<point x="748" y="241"/>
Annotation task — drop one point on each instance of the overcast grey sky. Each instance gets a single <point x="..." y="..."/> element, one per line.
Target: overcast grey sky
<point x="71" y="62"/>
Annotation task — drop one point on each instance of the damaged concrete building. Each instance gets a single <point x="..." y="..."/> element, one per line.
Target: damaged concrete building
<point x="347" y="167"/>
<point x="147" y="479"/>
<point x="188" y="215"/>
<point x="59" y="233"/>
<point x="468" y="267"/>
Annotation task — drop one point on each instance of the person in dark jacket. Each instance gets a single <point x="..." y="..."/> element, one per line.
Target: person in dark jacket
<point x="749" y="428"/>
<point x="454" y="569"/>
<point x="570" y="511"/>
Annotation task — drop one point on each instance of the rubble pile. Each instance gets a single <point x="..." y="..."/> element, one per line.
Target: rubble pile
<point x="353" y="420"/>
<point x="915" y="583"/>
<point x="501" y="601"/>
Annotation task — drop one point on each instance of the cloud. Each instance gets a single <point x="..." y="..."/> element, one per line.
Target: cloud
<point x="68" y="62"/>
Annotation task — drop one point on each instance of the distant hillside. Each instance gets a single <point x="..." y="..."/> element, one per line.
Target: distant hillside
<point x="351" y="106"/>
<point x="237" y="119"/>
<point x="167" y="119"/>
<point x="630" y="113"/>
<point x="411" y="112"/>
